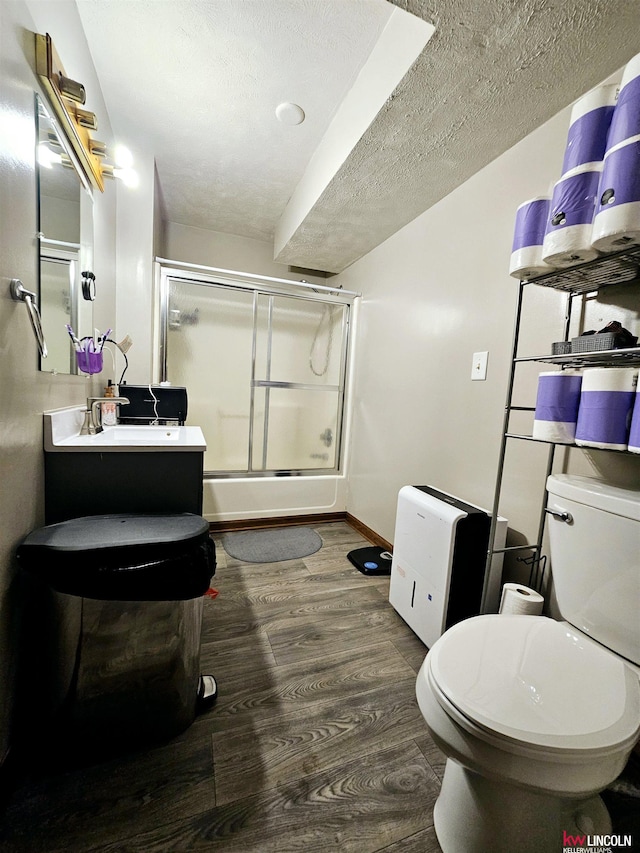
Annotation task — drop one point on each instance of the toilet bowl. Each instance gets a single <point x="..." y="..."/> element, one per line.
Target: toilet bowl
<point x="537" y="716"/>
<point x="535" y="719"/>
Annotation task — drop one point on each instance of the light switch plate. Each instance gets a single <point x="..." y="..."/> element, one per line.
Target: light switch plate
<point x="479" y="365"/>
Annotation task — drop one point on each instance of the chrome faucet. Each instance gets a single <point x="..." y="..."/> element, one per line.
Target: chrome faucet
<point x="92" y="423"/>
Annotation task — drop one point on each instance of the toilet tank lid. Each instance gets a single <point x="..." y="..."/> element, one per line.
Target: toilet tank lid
<point x="596" y="493"/>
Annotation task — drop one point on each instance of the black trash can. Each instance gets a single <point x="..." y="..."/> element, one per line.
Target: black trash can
<point x="115" y="605"/>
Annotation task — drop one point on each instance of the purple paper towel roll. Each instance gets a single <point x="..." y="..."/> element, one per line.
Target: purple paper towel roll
<point x="531" y="222"/>
<point x="589" y="127"/>
<point x="625" y="121"/>
<point x="617" y="220"/>
<point x="557" y="404"/>
<point x="567" y="240"/>
<point x="526" y="252"/>
<point x="606" y="402"/>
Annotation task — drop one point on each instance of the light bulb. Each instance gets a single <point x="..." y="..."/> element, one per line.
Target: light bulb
<point x="123" y="157"/>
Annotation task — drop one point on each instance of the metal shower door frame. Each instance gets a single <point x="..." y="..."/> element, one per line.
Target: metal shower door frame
<point x="270" y="288"/>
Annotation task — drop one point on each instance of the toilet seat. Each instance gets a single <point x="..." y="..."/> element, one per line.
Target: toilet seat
<point x="535" y="684"/>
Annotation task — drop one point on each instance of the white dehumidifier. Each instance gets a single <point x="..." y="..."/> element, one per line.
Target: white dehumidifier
<point x="439" y="558"/>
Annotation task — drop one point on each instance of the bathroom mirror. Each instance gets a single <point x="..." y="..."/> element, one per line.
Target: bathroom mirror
<point x="65" y="232"/>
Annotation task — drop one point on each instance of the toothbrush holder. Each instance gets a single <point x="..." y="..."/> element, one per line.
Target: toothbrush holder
<point x="89" y="362"/>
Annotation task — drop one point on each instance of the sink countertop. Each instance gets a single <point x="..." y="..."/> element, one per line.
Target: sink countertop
<point x="62" y="434"/>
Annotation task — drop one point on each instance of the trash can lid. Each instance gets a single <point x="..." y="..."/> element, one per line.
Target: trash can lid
<point x="123" y="557"/>
<point x="97" y="532"/>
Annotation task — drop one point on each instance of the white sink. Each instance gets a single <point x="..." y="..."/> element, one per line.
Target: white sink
<point x="62" y="434"/>
<point x="137" y="433"/>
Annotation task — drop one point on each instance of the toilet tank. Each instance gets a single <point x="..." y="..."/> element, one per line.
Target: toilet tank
<point x="595" y="559"/>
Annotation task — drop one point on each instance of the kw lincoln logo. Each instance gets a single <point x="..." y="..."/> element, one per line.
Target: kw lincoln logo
<point x="595" y="843"/>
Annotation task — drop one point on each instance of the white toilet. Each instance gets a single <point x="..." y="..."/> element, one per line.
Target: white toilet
<point x="538" y="716"/>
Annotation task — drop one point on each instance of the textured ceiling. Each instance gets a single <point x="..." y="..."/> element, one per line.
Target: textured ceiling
<point x="205" y="79"/>
<point x="201" y="79"/>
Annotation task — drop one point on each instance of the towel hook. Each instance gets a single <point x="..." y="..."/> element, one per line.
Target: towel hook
<point x="19" y="293"/>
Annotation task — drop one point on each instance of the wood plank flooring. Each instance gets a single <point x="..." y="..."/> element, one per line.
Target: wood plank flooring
<point x="315" y="743"/>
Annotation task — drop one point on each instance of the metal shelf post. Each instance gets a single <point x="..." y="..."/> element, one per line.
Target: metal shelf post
<point x="619" y="268"/>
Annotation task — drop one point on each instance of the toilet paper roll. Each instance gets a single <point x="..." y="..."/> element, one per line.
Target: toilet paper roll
<point x="518" y="600"/>
<point x="557" y="404"/>
<point x="606" y="401"/>
<point x="567" y="240"/>
<point x="625" y="121"/>
<point x="528" y="235"/>
<point x="617" y="220"/>
<point x="634" y="432"/>
<point x="588" y="128"/>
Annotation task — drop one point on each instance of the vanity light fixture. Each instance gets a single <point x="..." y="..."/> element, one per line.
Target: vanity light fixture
<point x="64" y="95"/>
<point x="98" y="149"/>
<point x="71" y="89"/>
<point x="86" y="119"/>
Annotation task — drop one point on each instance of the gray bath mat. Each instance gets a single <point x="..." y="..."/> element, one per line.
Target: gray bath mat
<point x="272" y="546"/>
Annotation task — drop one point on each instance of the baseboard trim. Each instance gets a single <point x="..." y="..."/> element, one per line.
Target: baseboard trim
<point x="297" y="520"/>
<point x="367" y="532"/>
<point x="280" y="521"/>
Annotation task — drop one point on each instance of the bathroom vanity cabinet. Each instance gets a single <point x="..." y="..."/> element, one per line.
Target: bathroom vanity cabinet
<point x="121" y="470"/>
<point x="579" y="282"/>
<point x="79" y="484"/>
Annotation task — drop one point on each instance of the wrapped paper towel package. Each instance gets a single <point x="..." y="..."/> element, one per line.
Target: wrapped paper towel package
<point x="557" y="404"/>
<point x="526" y="252"/>
<point x="625" y="121"/>
<point x="617" y="219"/>
<point x="588" y="128"/>
<point x="518" y="600"/>
<point x="567" y="240"/>
<point x="606" y="401"/>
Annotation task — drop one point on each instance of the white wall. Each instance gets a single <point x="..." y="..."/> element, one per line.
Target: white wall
<point x="433" y="294"/>
<point x="134" y="264"/>
<point x="225" y="251"/>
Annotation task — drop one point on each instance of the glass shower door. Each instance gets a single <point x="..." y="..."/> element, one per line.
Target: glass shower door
<point x="264" y="372"/>
<point x="209" y="346"/>
<point x="297" y="384"/>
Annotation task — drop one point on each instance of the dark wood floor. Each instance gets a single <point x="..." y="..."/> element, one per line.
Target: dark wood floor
<point x="315" y="743"/>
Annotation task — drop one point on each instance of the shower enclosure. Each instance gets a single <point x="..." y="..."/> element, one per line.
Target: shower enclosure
<point x="264" y="363"/>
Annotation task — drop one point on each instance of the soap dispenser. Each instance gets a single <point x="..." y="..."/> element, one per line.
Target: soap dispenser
<point x="108" y="408"/>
